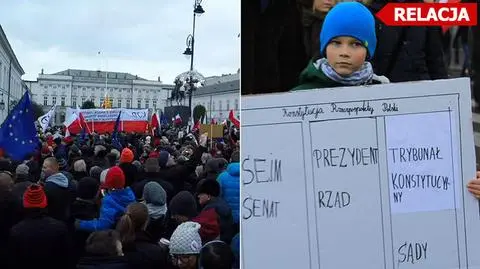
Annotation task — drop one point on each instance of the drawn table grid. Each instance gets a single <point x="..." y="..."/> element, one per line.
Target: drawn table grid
<point x="381" y="177"/>
<point x="379" y="200"/>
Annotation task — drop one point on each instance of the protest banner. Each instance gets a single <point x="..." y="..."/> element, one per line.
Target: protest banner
<point x="103" y="120"/>
<point x="360" y="177"/>
<point x="212" y="130"/>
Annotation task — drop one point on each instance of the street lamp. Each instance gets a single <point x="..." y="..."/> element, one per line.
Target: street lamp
<point x="189" y="51"/>
<point x="193" y="77"/>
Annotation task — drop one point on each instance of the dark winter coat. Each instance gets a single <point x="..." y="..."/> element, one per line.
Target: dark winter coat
<point x="60" y="194"/>
<point x="145" y="253"/>
<point x="82" y="210"/>
<point x="39" y="241"/>
<point x="10" y="214"/>
<point x="98" y="262"/>
<point x="225" y="217"/>
<point x="130" y="172"/>
<point x="419" y="53"/>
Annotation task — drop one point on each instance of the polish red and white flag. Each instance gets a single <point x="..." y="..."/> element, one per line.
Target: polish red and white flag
<point x="103" y="120"/>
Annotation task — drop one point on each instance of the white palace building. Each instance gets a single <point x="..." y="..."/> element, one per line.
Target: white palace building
<point x="72" y="87"/>
<point x="219" y="95"/>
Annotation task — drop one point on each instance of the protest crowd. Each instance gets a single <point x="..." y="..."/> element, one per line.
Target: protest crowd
<point x="119" y="200"/>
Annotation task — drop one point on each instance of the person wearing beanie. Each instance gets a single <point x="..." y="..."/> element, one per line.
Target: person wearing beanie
<point x="84" y="207"/>
<point x="126" y="164"/>
<point x="62" y="163"/>
<point x="185" y="245"/>
<point x="347" y="41"/>
<point x="127" y="156"/>
<point x="151" y="169"/>
<point x="179" y="175"/>
<point x="208" y="192"/>
<point x="22" y="171"/>
<point x="183" y="207"/>
<point x="99" y="158"/>
<point x="117" y="198"/>
<point x="79" y="169"/>
<point x="103" y="175"/>
<point x="163" y="158"/>
<point x="98" y="148"/>
<point x="95" y="172"/>
<point x="155" y="198"/>
<point x="45" y="152"/>
<point x="23" y="179"/>
<point x="34" y="197"/>
<point x="50" y="248"/>
<point x="59" y="189"/>
<point x="216" y="255"/>
<point x="214" y="167"/>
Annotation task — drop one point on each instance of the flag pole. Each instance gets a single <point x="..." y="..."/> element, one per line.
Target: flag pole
<point x="211" y="136"/>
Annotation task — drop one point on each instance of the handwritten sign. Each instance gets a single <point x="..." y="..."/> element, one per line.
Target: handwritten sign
<point x="360" y="177"/>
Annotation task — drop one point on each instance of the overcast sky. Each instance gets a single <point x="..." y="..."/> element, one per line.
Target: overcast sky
<point x="141" y="37"/>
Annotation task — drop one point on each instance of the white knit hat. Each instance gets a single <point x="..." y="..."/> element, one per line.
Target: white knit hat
<point x="103" y="176"/>
<point x="186" y="239"/>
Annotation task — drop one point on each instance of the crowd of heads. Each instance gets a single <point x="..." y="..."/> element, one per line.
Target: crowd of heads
<point x="169" y="201"/>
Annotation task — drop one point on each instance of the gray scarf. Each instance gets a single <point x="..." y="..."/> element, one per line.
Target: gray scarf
<point x="156" y="211"/>
<point x="360" y="77"/>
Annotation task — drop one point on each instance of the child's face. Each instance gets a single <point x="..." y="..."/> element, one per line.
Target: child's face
<point x="346" y="55"/>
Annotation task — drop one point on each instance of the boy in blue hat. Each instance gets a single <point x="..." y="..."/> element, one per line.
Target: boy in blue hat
<point x="347" y="41"/>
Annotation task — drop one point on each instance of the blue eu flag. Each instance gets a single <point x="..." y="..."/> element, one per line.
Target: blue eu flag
<point x="18" y="135"/>
<point x="163" y="120"/>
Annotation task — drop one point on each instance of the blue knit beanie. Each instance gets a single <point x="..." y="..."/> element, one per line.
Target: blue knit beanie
<point x="349" y="19"/>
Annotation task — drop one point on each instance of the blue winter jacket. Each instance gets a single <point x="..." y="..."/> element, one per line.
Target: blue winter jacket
<point x="230" y="186"/>
<point x="113" y="206"/>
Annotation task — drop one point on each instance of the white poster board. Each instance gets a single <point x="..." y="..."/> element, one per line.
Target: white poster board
<point x="360" y="177"/>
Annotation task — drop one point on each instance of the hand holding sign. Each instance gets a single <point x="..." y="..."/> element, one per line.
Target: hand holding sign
<point x="474" y="186"/>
